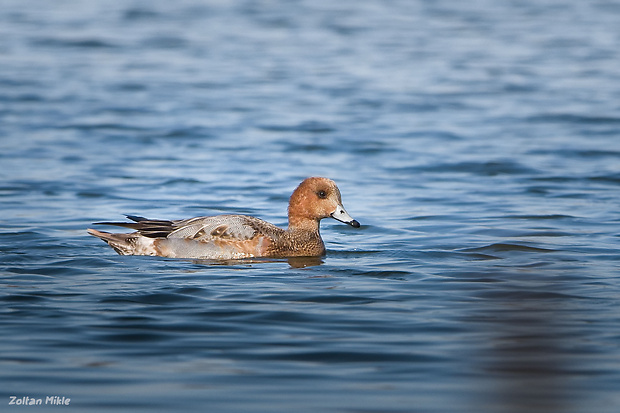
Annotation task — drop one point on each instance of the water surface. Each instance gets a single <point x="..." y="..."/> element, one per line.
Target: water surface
<point x="478" y="144"/>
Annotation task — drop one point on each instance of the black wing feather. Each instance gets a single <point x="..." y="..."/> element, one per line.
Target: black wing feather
<point x="152" y="228"/>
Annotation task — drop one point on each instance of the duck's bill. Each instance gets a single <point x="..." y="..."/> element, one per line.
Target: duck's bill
<point x="343" y="216"/>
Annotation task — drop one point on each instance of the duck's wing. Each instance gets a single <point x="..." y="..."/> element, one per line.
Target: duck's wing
<point x="223" y="227"/>
<point x="202" y="229"/>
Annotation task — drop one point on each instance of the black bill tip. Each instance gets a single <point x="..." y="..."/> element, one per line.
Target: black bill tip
<point x="354" y="224"/>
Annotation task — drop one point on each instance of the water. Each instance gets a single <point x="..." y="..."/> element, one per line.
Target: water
<point x="478" y="143"/>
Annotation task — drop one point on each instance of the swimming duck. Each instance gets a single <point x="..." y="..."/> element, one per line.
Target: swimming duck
<point x="236" y="236"/>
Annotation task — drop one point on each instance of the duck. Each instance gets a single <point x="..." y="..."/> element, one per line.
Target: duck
<point x="231" y="236"/>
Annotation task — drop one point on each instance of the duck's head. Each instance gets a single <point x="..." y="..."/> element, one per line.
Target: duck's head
<point x="314" y="199"/>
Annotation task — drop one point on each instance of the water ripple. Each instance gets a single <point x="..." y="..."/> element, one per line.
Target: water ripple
<point x="507" y="247"/>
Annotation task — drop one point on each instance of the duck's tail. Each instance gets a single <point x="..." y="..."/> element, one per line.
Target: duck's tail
<point x="124" y="244"/>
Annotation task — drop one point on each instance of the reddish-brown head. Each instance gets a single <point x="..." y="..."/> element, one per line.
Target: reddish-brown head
<point x="314" y="199"/>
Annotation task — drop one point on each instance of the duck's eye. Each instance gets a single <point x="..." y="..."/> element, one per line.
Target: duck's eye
<point x="322" y="194"/>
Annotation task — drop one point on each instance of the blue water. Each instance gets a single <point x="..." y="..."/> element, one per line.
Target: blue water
<point x="477" y="142"/>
